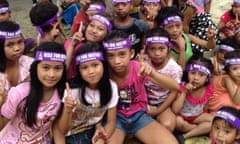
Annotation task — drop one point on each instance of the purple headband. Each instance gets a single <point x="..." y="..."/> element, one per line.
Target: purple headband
<point x="158" y="40"/>
<point x="114" y="2"/>
<point x="4" y="9"/>
<point x="89" y="57"/>
<point x="10" y="34"/>
<point x="103" y="20"/>
<point x="235" y="121"/>
<point x="116" y="45"/>
<point x="232" y="61"/>
<point x="198" y="67"/>
<point x="96" y="7"/>
<point x="226" y="48"/>
<point x="171" y="19"/>
<point x="48" y="22"/>
<point x="50" y="56"/>
<point x="236" y="2"/>
<point x="151" y="1"/>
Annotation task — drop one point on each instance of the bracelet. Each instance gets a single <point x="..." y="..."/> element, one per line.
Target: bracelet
<point x="181" y="88"/>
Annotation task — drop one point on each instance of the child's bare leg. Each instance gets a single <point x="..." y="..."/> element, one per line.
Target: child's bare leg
<point x="201" y="129"/>
<point x="154" y="133"/>
<point x="168" y="119"/>
<point x="117" y="137"/>
<point x="183" y="125"/>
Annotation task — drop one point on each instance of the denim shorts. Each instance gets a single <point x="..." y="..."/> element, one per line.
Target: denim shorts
<point x="131" y="125"/>
<point x="84" y="137"/>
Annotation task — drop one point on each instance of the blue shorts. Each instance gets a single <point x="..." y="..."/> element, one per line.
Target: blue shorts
<point x="131" y="125"/>
<point x="84" y="137"/>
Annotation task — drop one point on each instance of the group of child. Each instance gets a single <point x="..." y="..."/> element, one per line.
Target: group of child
<point x="120" y="75"/>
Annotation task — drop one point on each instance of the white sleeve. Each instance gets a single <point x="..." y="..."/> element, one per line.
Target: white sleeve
<point x="115" y="95"/>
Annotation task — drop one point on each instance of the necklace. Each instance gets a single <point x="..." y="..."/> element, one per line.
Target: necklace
<point x="92" y="97"/>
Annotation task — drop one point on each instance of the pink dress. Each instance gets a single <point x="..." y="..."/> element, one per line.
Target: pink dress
<point x="16" y="131"/>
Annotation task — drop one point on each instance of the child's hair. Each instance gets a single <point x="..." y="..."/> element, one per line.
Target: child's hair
<point x="6" y="26"/>
<point x="41" y="13"/>
<point x="228" y="42"/>
<point x="158" y="32"/>
<point x="115" y="34"/>
<point x="198" y="59"/>
<point x="229" y="115"/>
<point x="33" y="100"/>
<point x="4" y="3"/>
<point x="108" y="17"/>
<point x="166" y="12"/>
<point x="100" y="2"/>
<point x="104" y="83"/>
<point x="231" y="55"/>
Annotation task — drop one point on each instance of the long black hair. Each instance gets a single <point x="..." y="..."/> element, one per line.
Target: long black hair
<point x="33" y="100"/>
<point x="103" y="86"/>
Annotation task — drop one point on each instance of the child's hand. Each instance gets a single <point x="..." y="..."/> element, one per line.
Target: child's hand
<point x="69" y="102"/>
<point x="99" y="136"/>
<point x="152" y="111"/>
<point x="145" y="69"/>
<point x="2" y="90"/>
<point x="84" y="4"/>
<point x="189" y="87"/>
<point x="211" y="33"/>
<point x="180" y="43"/>
<point x="78" y="36"/>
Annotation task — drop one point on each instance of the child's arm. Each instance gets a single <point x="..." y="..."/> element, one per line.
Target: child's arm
<point x="63" y="124"/>
<point x="77" y="37"/>
<point x="188" y="13"/>
<point x="104" y="133"/>
<point x="167" y="103"/>
<point x="3" y="120"/>
<point x="234" y="93"/>
<point x="210" y="43"/>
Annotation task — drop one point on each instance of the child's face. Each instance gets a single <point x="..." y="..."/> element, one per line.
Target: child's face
<point x="91" y="72"/>
<point x="5" y="16"/>
<point x="151" y="9"/>
<point x="14" y="48"/>
<point x="49" y="73"/>
<point x="119" y="59"/>
<point x="234" y="71"/>
<point x="236" y="9"/>
<point x="95" y="31"/>
<point x="174" y="29"/>
<point x="158" y="53"/>
<point x="222" y="133"/>
<point x="122" y="9"/>
<point x="197" y="79"/>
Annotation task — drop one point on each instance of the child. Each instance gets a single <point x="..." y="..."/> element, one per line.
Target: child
<point x="171" y="19"/>
<point x="85" y="13"/>
<point x="229" y="21"/>
<point x="96" y="30"/>
<point x="226" y="126"/>
<point x="5" y="12"/>
<point x="32" y="106"/>
<point x="44" y="16"/>
<point x="133" y="27"/>
<point x="149" y="10"/>
<point x="157" y="47"/>
<point x="94" y="94"/>
<point x="227" y="86"/>
<point x="129" y="76"/>
<point x="191" y="102"/>
<point x="218" y="61"/>
<point x="13" y="63"/>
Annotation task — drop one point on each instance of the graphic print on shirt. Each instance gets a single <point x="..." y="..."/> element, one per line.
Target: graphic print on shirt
<point x="44" y="121"/>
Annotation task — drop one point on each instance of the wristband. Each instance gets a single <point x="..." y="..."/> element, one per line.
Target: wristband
<point x="181" y="88"/>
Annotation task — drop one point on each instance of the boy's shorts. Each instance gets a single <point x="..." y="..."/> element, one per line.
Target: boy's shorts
<point x="132" y="124"/>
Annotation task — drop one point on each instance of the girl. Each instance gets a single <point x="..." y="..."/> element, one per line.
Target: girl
<point x="218" y="61"/>
<point x="226" y="126"/>
<point x="227" y="87"/>
<point x="14" y="66"/>
<point x="229" y="21"/>
<point x="157" y="47"/>
<point x="92" y="94"/>
<point x="96" y="30"/>
<point x="171" y="19"/>
<point x="32" y="106"/>
<point x="149" y="10"/>
<point x="132" y="105"/>
<point x="192" y="98"/>
<point x="44" y="16"/>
